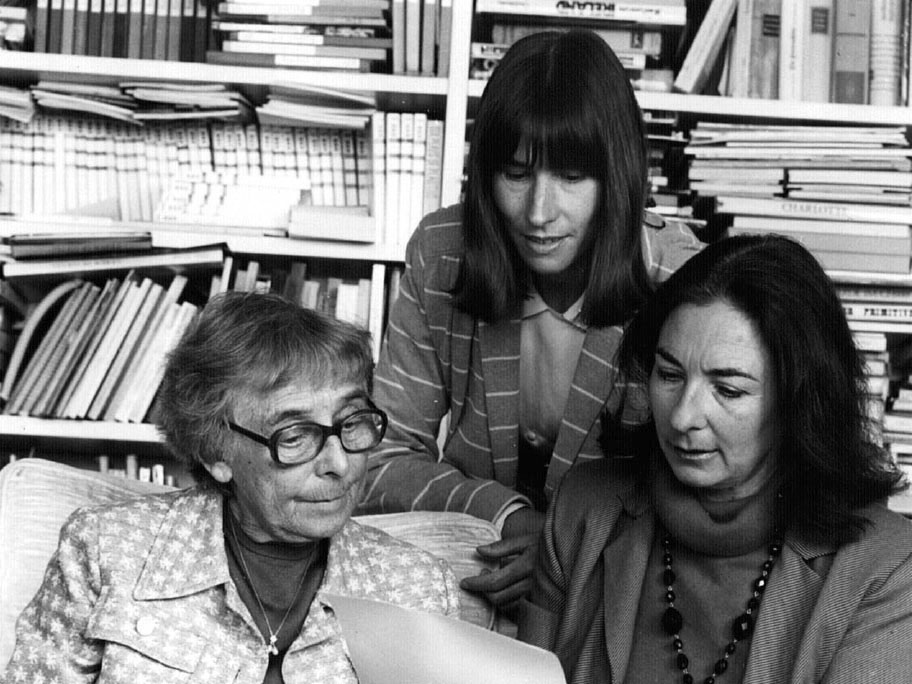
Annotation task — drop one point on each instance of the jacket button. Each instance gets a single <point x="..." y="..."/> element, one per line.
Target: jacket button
<point x="146" y="625"/>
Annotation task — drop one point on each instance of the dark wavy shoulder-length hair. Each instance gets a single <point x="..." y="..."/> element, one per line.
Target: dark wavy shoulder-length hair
<point x="828" y="463"/>
<point x="242" y="347"/>
<point x="568" y="97"/>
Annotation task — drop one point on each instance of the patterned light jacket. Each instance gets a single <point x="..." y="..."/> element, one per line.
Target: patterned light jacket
<point x="436" y="358"/>
<point x="139" y="593"/>
<point x="830" y="615"/>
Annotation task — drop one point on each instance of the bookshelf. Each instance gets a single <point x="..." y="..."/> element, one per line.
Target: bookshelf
<point x="451" y="98"/>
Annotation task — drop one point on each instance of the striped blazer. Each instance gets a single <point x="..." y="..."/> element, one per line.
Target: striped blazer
<point x="436" y="359"/>
<point x="829" y="615"/>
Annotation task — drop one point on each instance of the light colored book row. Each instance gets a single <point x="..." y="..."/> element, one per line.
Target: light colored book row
<point x="847" y="51"/>
<point x="218" y="173"/>
<point x="102" y="355"/>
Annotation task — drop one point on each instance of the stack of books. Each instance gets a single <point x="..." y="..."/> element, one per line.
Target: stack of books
<point x="339" y="35"/>
<point x="667" y="184"/>
<point x="17" y="103"/>
<point x="136" y="102"/>
<point x="636" y="31"/>
<point x="841" y="191"/>
<point x="293" y="104"/>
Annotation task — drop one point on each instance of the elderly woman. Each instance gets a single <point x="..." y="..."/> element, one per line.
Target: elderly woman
<point x="750" y="541"/>
<point x="269" y="405"/>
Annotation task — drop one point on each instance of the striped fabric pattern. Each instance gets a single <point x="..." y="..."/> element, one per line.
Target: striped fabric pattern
<point x="829" y="615"/>
<point x="436" y="359"/>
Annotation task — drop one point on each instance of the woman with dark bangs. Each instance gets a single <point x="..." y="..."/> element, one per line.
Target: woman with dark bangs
<point x="512" y="305"/>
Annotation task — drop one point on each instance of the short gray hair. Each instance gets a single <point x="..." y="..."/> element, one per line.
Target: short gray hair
<point x="249" y="344"/>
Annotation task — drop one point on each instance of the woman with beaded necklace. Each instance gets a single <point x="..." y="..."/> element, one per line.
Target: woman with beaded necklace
<point x="750" y="543"/>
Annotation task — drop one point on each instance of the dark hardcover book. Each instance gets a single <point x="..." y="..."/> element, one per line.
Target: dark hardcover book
<point x="107" y="29"/>
<point x="121" y="28"/>
<point x="93" y="33"/>
<point x="55" y="24"/>
<point x="32" y="246"/>
<point x="187" y="27"/>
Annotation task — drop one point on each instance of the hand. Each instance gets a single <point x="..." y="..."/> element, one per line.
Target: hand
<point x="516" y="553"/>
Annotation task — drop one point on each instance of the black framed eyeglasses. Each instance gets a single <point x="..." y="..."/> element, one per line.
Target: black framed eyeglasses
<point x="301" y="442"/>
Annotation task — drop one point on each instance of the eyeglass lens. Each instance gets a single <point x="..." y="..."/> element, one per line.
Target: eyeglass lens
<point x="359" y="432"/>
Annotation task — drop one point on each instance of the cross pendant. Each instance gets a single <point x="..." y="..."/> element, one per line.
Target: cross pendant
<point x="271" y="646"/>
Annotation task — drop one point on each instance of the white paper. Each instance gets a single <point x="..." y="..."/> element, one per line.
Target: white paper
<point x="389" y="644"/>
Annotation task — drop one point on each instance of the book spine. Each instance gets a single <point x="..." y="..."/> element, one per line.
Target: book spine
<point x="419" y="164"/>
<point x="643" y="12"/>
<point x="444" y="37"/>
<point x="886" y="52"/>
<point x="433" y="168"/>
<point x="739" y="73"/>
<point x="792" y="49"/>
<point x="851" y="51"/>
<point x="41" y="26"/>
<point x="378" y="173"/>
<point x="429" y="11"/>
<point x="826" y="211"/>
<point x="816" y="72"/>
<point x="765" y="41"/>
<point x="412" y="36"/>
<point x="397" y="27"/>
<point x="706" y="47"/>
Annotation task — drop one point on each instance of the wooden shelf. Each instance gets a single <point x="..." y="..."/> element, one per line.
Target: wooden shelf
<point x="765" y="109"/>
<point x="83" y="430"/>
<point x="34" y="66"/>
<point x="178" y="237"/>
<point x="242" y="240"/>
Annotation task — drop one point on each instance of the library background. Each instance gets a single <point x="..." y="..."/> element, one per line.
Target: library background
<point x="155" y="152"/>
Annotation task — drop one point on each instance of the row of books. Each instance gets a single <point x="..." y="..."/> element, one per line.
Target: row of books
<point x="94" y="349"/>
<point x="398" y="36"/>
<point x="137" y="29"/>
<point x="848" y="51"/>
<point x="192" y="172"/>
<point x="102" y="355"/>
<point x="844" y="192"/>
<point x="355" y="296"/>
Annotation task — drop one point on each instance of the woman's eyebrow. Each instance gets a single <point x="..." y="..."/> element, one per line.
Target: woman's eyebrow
<point x="724" y="372"/>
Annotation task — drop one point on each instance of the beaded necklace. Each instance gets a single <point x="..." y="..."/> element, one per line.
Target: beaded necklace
<point x="742" y="626"/>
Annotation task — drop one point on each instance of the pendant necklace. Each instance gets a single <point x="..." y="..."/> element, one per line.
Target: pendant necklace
<point x="271" y="647"/>
<point x="742" y="626"/>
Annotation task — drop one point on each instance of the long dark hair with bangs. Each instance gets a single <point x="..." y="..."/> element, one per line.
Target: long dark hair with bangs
<point x="829" y="466"/>
<point x="567" y="95"/>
